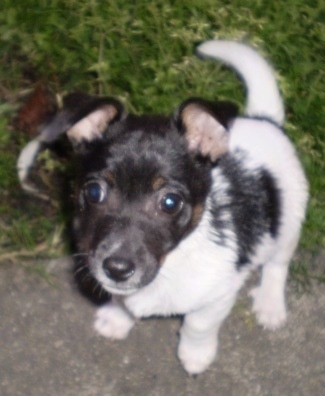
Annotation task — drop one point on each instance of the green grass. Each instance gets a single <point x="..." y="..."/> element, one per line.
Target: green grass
<point x="143" y="53"/>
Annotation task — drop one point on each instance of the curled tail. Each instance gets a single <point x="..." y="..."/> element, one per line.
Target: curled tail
<point x="263" y="96"/>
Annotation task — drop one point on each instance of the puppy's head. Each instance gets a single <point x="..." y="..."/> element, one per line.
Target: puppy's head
<point x="143" y="182"/>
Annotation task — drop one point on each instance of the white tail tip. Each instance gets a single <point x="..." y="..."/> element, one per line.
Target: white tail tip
<point x="263" y="96"/>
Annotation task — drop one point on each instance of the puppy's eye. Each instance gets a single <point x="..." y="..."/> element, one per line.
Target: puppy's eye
<point x="95" y="192"/>
<point x="171" y="203"/>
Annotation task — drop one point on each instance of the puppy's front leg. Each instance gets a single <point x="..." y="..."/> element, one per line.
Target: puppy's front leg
<point x="113" y="321"/>
<point x="199" y="337"/>
<point x="154" y="299"/>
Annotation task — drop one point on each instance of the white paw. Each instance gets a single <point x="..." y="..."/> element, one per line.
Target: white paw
<point x="113" y="322"/>
<point x="196" y="358"/>
<point x="269" y="309"/>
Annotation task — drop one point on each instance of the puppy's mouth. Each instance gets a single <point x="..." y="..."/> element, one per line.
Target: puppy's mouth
<point x="125" y="291"/>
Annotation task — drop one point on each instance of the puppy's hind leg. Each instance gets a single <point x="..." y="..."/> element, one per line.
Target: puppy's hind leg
<point x="113" y="321"/>
<point x="269" y="297"/>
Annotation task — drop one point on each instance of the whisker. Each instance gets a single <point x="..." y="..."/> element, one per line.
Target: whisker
<point x="96" y="286"/>
<point x="80" y="254"/>
<point x="80" y="269"/>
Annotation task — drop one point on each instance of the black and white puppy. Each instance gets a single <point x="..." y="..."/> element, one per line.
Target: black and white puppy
<point x="174" y="212"/>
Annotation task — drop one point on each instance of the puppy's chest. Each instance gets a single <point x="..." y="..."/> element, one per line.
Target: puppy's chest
<point x="195" y="273"/>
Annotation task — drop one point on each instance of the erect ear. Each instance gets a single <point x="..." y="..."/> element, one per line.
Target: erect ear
<point x="84" y="118"/>
<point x="205" y="126"/>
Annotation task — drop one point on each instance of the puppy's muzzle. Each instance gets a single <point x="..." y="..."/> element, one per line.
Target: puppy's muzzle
<point x="118" y="269"/>
<point x="125" y="258"/>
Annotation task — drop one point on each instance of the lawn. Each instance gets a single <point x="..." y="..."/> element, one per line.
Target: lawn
<point x="143" y="53"/>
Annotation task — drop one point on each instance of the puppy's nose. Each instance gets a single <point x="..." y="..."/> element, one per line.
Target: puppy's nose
<point x="118" y="269"/>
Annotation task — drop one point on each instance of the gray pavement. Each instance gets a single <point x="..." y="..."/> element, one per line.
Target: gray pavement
<point x="48" y="347"/>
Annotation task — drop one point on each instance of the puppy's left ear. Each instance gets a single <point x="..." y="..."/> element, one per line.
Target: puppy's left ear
<point x="205" y="125"/>
<point x="85" y="118"/>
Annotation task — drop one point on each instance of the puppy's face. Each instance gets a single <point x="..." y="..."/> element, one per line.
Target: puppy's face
<point x="143" y="183"/>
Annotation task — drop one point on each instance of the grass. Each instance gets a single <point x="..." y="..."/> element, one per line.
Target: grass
<point x="143" y="53"/>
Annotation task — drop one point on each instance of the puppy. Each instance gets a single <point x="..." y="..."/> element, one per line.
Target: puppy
<point x="173" y="213"/>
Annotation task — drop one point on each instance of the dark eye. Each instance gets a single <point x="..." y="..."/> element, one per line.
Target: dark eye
<point x="95" y="192"/>
<point x="171" y="203"/>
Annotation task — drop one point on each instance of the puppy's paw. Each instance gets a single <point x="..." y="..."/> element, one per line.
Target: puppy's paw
<point x="196" y="358"/>
<point x="269" y="308"/>
<point x="113" y="322"/>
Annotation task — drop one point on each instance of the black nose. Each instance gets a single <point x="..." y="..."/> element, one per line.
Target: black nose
<point x="118" y="269"/>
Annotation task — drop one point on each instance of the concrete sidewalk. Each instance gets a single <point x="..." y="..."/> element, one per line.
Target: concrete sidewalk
<point x="48" y="347"/>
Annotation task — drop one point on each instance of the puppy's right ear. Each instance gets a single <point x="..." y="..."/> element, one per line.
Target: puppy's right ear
<point x="84" y="118"/>
<point x="205" y="124"/>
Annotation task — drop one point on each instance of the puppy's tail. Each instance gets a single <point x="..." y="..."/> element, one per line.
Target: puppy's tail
<point x="263" y="96"/>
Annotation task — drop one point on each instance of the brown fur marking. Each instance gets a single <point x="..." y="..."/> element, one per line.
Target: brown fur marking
<point x="157" y="183"/>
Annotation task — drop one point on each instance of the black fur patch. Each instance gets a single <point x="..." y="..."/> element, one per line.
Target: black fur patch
<point x="253" y="202"/>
